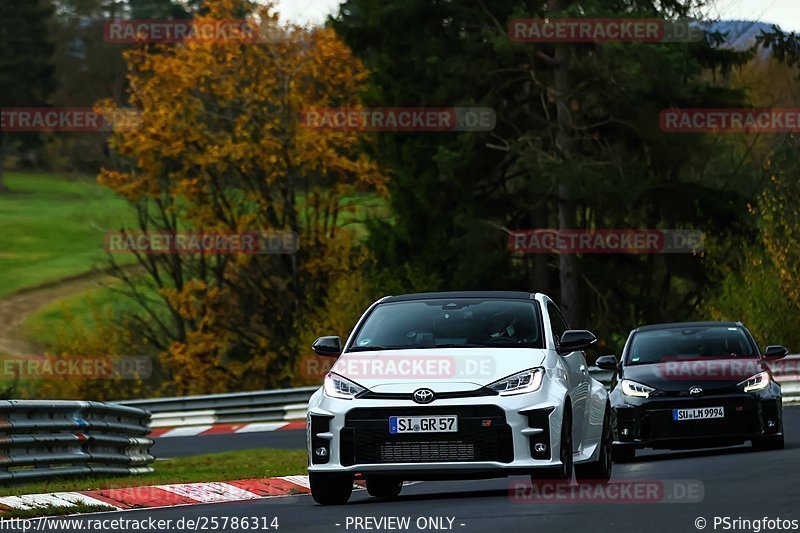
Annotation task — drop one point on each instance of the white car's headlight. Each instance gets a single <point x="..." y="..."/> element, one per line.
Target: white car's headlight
<point x="336" y="386"/>
<point x="758" y="382"/>
<point x="637" y="390"/>
<point x="520" y="383"/>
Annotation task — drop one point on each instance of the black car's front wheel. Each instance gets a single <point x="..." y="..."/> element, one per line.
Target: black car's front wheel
<point x="330" y="489"/>
<point x="622" y="453"/>
<point x="769" y="443"/>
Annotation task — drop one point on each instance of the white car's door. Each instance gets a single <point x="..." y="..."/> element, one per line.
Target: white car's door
<point x="577" y="377"/>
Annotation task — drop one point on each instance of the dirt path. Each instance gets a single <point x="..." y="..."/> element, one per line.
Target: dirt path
<point x="16" y="307"/>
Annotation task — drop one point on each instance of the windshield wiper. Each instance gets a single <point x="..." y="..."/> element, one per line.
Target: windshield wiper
<point x="369" y="348"/>
<point x="450" y="345"/>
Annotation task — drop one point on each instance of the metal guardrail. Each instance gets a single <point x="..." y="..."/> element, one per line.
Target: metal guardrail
<point x="787" y="373"/>
<point x="260" y="406"/>
<point x="42" y="439"/>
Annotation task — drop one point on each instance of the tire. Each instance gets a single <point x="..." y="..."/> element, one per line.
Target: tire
<point x="769" y="443"/>
<point x="562" y="472"/>
<point x="330" y="489"/>
<point x="599" y="471"/>
<point x="384" y="487"/>
<point x="623" y="454"/>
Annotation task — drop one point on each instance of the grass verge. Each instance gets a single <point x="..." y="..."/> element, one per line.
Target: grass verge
<point x="226" y="466"/>
<point x="53" y="227"/>
<point x="55" y="510"/>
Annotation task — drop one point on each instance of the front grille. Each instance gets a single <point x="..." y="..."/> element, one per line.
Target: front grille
<point x="482" y="435"/>
<point x="741" y="418"/>
<point x="427" y="452"/>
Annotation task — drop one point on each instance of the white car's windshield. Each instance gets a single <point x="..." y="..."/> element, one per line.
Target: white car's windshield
<point x="450" y="323"/>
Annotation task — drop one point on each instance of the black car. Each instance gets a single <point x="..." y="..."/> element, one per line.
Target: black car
<point x="694" y="385"/>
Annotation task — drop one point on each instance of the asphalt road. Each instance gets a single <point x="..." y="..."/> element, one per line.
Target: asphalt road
<point x="737" y="483"/>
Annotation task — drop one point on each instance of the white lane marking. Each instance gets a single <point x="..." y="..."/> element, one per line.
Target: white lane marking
<point x="297" y="480"/>
<point x="210" y="492"/>
<point x="57" y="499"/>
<point x="261" y="426"/>
<point x="185" y="432"/>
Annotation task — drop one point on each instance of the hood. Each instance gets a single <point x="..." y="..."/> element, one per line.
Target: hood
<point x="439" y="369"/>
<point x="680" y="376"/>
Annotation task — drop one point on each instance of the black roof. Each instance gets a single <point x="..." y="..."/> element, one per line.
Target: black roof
<point x="674" y="325"/>
<point x="501" y="295"/>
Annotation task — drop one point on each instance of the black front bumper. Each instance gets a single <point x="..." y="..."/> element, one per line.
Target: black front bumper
<point x="649" y="423"/>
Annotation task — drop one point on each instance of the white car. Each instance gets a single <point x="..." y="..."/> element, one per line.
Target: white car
<point x="456" y="385"/>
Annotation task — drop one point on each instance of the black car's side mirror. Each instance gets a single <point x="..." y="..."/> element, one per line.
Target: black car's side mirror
<point x="776" y="351"/>
<point x="607" y="362"/>
<point x="327" y="346"/>
<point x="574" y="340"/>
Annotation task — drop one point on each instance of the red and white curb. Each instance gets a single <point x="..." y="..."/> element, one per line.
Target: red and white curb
<point x="222" y="429"/>
<point x="166" y="495"/>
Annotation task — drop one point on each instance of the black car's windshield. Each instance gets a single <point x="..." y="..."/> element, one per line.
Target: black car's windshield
<point x="456" y="323"/>
<point x="689" y="343"/>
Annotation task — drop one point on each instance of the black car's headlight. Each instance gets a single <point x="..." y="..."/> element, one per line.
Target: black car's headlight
<point x="519" y="383"/>
<point x="636" y="390"/>
<point x="336" y="386"/>
<point x="756" y="383"/>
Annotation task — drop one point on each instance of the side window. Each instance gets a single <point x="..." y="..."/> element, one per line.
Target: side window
<point x="557" y="322"/>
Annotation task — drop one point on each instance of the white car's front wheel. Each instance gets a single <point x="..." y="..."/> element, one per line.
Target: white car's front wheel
<point x="330" y="489"/>
<point x="384" y="487"/>
<point x="599" y="471"/>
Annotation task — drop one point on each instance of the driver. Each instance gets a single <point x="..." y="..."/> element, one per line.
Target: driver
<point x="500" y="325"/>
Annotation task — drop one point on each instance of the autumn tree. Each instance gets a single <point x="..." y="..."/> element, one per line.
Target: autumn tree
<point x="221" y="147"/>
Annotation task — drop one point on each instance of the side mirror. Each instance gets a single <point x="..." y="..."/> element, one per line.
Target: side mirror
<point x="607" y="362"/>
<point x="776" y="351"/>
<point x="327" y="347"/>
<point x="575" y="340"/>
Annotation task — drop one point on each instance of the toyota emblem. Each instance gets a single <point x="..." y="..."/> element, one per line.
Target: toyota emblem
<point x="695" y="391"/>
<point x="423" y="396"/>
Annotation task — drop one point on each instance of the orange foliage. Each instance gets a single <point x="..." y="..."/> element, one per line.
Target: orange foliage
<point x="220" y="147"/>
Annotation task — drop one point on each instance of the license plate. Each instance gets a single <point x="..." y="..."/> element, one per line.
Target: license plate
<point x="423" y="424"/>
<point x="698" y="413"/>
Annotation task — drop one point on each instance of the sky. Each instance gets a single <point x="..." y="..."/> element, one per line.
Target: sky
<point x="786" y="13"/>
